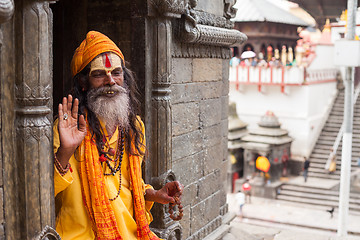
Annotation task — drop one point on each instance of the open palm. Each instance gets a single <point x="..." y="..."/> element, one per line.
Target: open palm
<point x="70" y="134"/>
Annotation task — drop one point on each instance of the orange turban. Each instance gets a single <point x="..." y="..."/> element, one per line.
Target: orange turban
<point x="94" y="44"/>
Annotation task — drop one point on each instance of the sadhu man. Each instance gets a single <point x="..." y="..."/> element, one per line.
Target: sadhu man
<point x="99" y="145"/>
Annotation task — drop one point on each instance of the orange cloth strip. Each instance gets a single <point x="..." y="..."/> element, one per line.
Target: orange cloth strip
<point x="96" y="199"/>
<point x="143" y="230"/>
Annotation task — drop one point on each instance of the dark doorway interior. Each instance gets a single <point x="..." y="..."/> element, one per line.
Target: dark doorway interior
<point x="122" y="21"/>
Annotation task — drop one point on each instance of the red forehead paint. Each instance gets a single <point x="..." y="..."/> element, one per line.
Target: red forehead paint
<point x="107" y="61"/>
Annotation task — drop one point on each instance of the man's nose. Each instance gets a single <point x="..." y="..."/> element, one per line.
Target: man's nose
<point x="109" y="80"/>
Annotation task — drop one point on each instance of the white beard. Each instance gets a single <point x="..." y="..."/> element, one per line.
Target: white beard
<point x="113" y="111"/>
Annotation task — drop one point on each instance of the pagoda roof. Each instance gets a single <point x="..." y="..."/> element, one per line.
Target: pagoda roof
<point x="264" y="11"/>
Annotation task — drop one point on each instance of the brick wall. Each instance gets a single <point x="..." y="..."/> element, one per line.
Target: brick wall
<point x="199" y="147"/>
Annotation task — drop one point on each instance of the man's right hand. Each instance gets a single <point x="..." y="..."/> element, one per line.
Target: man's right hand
<point x="71" y="135"/>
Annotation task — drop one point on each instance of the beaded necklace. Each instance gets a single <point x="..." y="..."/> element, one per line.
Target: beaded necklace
<point x="104" y="157"/>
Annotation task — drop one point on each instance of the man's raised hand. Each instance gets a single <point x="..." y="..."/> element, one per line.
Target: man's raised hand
<point x="71" y="135"/>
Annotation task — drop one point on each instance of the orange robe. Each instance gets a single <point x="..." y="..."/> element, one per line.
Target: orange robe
<point x="72" y="220"/>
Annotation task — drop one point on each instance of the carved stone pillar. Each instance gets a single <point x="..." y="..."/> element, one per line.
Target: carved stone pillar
<point x="161" y="149"/>
<point x="161" y="111"/>
<point x="33" y="93"/>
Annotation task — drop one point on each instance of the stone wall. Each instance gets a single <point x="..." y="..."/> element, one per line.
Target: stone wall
<point x="189" y="95"/>
<point x="199" y="140"/>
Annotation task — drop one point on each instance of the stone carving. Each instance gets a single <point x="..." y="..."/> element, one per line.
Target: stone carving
<point x="229" y="11"/>
<point x="224" y="209"/>
<point x="208" y="35"/>
<point x="37" y="95"/>
<point x="201" y="27"/>
<point x="6" y="10"/>
<point x="205" y="18"/>
<point x="35" y="128"/>
<point x="188" y="50"/>
<point x="170" y="7"/>
<point x="165" y="227"/>
<point x="174" y="232"/>
<point x="48" y="233"/>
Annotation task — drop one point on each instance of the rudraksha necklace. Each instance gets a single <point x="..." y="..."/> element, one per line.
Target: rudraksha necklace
<point x="104" y="157"/>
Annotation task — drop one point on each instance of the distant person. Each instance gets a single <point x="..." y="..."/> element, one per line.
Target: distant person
<point x="234" y="61"/>
<point x="262" y="62"/>
<point x="240" y="201"/>
<point x="246" y="188"/>
<point x="247" y="62"/>
<point x="306" y="168"/>
<point x="332" y="166"/>
<point x="254" y="62"/>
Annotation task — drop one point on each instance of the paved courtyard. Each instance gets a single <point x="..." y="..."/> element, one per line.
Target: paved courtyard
<point x="278" y="220"/>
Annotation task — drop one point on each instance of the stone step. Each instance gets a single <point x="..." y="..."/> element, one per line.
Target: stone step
<point x="313" y="195"/>
<point x="336" y="113"/>
<point x="319" y="156"/>
<point x="322" y="191"/>
<point x="320" y="202"/>
<point x="333" y="125"/>
<point x="317" y="165"/>
<point x="323" y="171"/>
<point x="325" y="176"/>
<point x="339" y="103"/>
<point x="324" y="157"/>
<point x="355" y="142"/>
<point x="330" y="127"/>
<point x="327" y="138"/>
<point x="322" y="145"/>
<point x="321" y="151"/>
<point x="338" y="107"/>
<point x="321" y="165"/>
<point x="336" y="118"/>
<point x="318" y="159"/>
<point x="325" y="133"/>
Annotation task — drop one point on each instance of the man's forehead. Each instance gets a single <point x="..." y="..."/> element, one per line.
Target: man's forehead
<point x="106" y="60"/>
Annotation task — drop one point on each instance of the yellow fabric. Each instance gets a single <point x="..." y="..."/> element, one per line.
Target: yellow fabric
<point x="72" y="221"/>
<point x="94" y="44"/>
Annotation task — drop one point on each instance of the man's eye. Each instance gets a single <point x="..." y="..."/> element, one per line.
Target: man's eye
<point x="116" y="73"/>
<point x="98" y="75"/>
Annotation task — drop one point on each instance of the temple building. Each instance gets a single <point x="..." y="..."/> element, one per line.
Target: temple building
<point x="268" y="140"/>
<point x="267" y="26"/>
